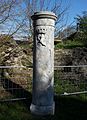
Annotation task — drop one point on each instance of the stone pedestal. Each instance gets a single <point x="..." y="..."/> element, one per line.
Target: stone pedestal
<point x="43" y="63"/>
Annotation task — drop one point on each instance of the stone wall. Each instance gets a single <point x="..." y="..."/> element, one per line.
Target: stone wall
<point x="11" y="54"/>
<point x="72" y="57"/>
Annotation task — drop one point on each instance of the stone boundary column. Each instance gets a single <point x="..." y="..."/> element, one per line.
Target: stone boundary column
<point x="43" y="63"/>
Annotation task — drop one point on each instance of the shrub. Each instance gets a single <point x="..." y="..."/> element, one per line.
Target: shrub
<point x="70" y="44"/>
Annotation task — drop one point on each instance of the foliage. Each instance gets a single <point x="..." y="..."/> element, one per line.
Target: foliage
<point x="82" y="22"/>
<point x="71" y="44"/>
<point x="82" y="26"/>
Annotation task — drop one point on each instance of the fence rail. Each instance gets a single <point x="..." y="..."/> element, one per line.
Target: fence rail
<point x="15" y="66"/>
<point x="74" y="66"/>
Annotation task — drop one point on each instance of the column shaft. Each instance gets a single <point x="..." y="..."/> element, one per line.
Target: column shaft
<point x="43" y="64"/>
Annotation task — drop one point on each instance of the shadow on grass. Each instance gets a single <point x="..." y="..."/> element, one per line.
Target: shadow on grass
<point x="66" y="108"/>
<point x="70" y="108"/>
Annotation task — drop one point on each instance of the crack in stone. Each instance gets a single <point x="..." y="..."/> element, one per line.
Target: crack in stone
<point x="50" y="52"/>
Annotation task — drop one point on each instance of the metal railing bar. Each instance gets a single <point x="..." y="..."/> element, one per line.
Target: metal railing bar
<point x="15" y="66"/>
<point x="13" y="99"/>
<point x="14" y="88"/>
<point x="12" y="66"/>
<point x="68" y="94"/>
<point x="54" y="66"/>
<point x="75" y="66"/>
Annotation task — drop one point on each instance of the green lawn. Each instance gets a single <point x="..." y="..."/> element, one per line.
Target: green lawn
<point x="66" y="108"/>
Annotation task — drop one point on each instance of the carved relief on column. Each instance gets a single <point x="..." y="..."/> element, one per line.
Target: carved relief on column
<point x="40" y="36"/>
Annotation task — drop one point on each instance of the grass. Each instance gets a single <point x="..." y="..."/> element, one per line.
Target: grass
<point x="13" y="111"/>
<point x="66" y="108"/>
<point x="69" y="85"/>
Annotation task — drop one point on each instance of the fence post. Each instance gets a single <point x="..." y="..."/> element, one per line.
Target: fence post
<point x="43" y="63"/>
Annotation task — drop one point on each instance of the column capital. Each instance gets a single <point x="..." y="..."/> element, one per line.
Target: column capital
<point x="43" y="14"/>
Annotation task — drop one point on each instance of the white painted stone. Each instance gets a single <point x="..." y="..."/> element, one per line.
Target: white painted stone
<point x="43" y="63"/>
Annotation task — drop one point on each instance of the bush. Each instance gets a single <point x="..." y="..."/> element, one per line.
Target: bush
<point x="70" y="44"/>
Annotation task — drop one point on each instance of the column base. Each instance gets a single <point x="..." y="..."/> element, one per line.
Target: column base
<point x="42" y="110"/>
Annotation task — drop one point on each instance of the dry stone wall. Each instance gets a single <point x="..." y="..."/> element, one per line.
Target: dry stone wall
<point x="72" y="57"/>
<point x="11" y="54"/>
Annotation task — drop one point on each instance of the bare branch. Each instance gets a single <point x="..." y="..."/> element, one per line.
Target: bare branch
<point x="18" y="13"/>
